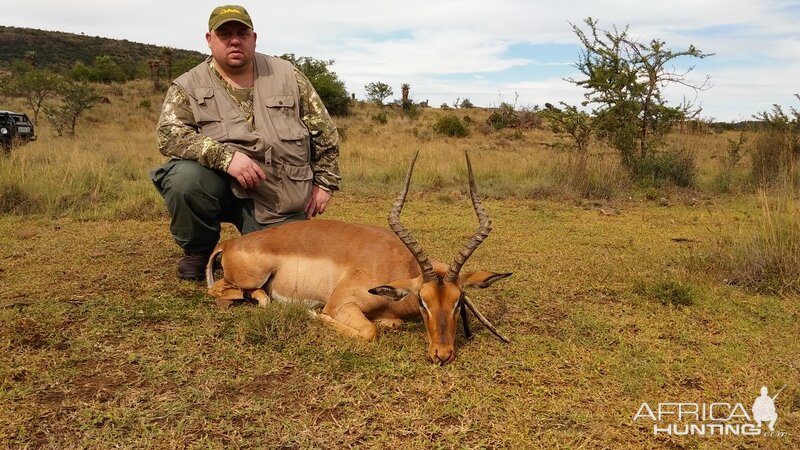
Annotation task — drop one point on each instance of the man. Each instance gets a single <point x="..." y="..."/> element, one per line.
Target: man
<point x="250" y="143"/>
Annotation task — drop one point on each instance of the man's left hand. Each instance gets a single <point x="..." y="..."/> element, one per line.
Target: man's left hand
<point x="318" y="201"/>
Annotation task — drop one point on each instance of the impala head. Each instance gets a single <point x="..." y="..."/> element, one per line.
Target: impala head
<point x="441" y="293"/>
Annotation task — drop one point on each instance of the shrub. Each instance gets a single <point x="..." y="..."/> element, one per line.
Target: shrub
<point x="771" y="157"/>
<point x="411" y="111"/>
<point x="775" y="149"/>
<point x="503" y="117"/>
<point x="380" y="118"/>
<point x="727" y="178"/>
<point x="450" y="125"/>
<point x="675" y="167"/>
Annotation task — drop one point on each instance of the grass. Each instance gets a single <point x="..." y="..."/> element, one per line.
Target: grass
<point x="121" y="353"/>
<point x="103" y="347"/>
<point x="766" y="259"/>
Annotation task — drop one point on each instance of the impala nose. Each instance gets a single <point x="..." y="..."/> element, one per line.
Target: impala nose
<point x="443" y="357"/>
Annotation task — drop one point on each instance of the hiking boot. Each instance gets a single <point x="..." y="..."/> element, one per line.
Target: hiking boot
<point x="193" y="266"/>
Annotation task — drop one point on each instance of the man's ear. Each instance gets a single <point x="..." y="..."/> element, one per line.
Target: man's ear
<point x="399" y="289"/>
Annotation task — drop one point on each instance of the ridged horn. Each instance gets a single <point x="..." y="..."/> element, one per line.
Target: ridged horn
<point x="394" y="223"/>
<point x="485" y="226"/>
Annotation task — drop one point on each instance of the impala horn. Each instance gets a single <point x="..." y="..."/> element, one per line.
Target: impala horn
<point x="394" y="223"/>
<point x="484" y="227"/>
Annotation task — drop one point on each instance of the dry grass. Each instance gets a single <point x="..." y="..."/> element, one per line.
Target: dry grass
<point x="766" y="259"/>
<point x="103" y="347"/>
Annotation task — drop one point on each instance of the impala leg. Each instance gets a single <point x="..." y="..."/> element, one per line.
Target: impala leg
<point x="224" y="293"/>
<point x="224" y="302"/>
<point x="349" y="320"/>
<point x="261" y="296"/>
<point x="390" y="323"/>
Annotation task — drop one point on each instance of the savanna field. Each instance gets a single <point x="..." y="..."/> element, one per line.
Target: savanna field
<point x="623" y="293"/>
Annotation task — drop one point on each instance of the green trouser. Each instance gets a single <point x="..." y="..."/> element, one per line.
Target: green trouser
<point x="199" y="199"/>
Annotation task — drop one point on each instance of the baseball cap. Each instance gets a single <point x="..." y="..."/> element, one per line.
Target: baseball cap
<point x="227" y="13"/>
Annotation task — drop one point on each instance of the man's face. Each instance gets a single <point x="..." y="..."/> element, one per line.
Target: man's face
<point x="232" y="45"/>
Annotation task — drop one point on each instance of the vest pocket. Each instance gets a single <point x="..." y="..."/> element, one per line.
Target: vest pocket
<point x="207" y="115"/>
<point x="295" y="188"/>
<point x="281" y="111"/>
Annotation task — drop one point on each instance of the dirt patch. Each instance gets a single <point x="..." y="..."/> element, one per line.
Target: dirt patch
<point x="95" y="381"/>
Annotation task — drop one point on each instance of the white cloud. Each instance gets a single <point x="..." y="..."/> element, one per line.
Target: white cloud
<point x="437" y="42"/>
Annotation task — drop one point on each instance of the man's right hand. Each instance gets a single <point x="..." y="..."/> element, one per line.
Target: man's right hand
<point x="245" y="171"/>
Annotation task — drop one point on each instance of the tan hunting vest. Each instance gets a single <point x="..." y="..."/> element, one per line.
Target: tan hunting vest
<point x="279" y="143"/>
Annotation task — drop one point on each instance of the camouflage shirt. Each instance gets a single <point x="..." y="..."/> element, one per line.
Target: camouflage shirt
<point x="178" y="135"/>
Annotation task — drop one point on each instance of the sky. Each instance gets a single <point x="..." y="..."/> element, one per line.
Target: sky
<point x="492" y="51"/>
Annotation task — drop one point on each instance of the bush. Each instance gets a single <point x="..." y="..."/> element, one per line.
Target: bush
<point x="772" y="157"/>
<point x="380" y="118"/>
<point x="678" y="168"/>
<point x="411" y="111"/>
<point x="503" y="117"/>
<point x="450" y="125"/>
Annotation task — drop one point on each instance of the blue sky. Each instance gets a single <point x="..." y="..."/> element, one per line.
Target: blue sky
<point x="487" y="51"/>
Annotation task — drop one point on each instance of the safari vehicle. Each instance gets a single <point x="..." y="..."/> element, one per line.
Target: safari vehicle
<point x="15" y="129"/>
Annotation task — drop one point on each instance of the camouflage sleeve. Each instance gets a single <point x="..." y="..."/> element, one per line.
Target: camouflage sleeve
<point x="178" y="135"/>
<point x="324" y="136"/>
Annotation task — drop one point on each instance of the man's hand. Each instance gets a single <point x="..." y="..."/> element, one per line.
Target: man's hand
<point x="245" y="171"/>
<point x="318" y="201"/>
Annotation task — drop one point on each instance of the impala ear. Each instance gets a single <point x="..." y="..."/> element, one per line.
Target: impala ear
<point x="481" y="279"/>
<point x="399" y="289"/>
<point x="389" y="292"/>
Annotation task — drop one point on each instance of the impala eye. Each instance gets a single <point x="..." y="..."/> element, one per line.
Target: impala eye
<point x="422" y="304"/>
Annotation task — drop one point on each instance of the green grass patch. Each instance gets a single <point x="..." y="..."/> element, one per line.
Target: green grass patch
<point x="668" y="292"/>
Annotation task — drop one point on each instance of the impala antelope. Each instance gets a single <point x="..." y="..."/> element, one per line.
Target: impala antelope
<point x="359" y="275"/>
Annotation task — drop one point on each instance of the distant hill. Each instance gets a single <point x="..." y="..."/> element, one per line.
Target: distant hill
<point x="58" y="49"/>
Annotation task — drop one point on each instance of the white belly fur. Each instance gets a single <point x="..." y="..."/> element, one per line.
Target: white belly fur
<point x="308" y="281"/>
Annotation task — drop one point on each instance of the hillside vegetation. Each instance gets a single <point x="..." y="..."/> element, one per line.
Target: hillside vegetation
<point x="56" y="49"/>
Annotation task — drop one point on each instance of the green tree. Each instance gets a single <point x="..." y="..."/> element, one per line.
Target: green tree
<point x="326" y="82"/>
<point x="106" y="70"/>
<point x="103" y="70"/>
<point x="181" y="66"/>
<point x="624" y="79"/>
<point x="76" y="98"/>
<point x="571" y="124"/>
<point x="378" y="92"/>
<point x="36" y="86"/>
